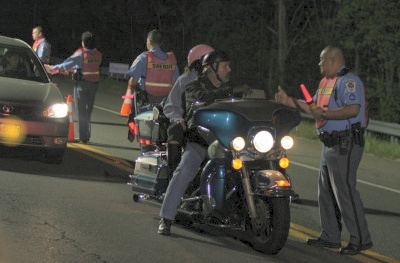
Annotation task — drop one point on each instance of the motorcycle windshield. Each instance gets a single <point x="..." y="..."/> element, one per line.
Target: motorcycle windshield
<point x="227" y="119"/>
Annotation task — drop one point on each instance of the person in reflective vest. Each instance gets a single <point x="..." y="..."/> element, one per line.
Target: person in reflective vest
<point x="154" y="70"/>
<point x="341" y="117"/>
<point x="85" y="64"/>
<point x="41" y="47"/>
<point x="91" y="64"/>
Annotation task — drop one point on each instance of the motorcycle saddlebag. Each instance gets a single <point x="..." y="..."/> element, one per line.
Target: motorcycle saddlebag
<point x="150" y="175"/>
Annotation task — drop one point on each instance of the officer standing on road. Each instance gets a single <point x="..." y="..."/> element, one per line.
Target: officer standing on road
<point x="41" y="46"/>
<point x="341" y="117"/>
<point x="173" y="108"/>
<point x="86" y="65"/>
<point x="154" y="70"/>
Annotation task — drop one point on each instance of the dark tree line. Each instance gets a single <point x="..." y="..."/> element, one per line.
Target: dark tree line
<point x="271" y="42"/>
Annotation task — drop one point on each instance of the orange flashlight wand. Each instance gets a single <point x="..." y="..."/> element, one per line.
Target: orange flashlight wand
<point x="308" y="97"/>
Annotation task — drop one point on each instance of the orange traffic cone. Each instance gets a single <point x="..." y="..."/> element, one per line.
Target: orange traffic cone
<point x="71" y="136"/>
<point x="127" y="105"/>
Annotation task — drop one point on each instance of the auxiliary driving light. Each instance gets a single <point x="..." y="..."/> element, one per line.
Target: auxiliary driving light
<point x="238" y="144"/>
<point x="287" y="142"/>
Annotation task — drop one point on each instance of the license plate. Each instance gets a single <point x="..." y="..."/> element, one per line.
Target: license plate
<point x="10" y="130"/>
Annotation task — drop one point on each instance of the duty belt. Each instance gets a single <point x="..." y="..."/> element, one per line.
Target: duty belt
<point x="333" y="138"/>
<point x="356" y="133"/>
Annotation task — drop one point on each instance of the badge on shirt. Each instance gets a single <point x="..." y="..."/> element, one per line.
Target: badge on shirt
<point x="350" y="85"/>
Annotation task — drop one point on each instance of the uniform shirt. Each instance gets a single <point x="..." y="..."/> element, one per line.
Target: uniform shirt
<point x="349" y="90"/>
<point x="73" y="62"/>
<point x="43" y="51"/>
<point x="173" y="105"/>
<point x="139" y="67"/>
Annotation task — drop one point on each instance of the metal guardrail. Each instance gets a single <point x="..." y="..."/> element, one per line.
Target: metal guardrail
<point x="392" y="130"/>
<point x="387" y="128"/>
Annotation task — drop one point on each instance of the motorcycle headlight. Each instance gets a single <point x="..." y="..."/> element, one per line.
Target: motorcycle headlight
<point x="287" y="142"/>
<point x="238" y="144"/>
<point x="58" y="110"/>
<point x="263" y="141"/>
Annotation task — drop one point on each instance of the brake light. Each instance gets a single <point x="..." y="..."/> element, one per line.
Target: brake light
<point x="144" y="141"/>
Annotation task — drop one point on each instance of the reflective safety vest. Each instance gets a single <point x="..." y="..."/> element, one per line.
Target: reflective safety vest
<point x="35" y="46"/>
<point x="91" y="64"/>
<point x="159" y="74"/>
<point x="325" y="90"/>
<point x="37" y="43"/>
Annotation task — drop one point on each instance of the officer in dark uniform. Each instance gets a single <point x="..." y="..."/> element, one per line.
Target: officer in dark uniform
<point x="173" y="108"/>
<point x="341" y="117"/>
<point x="207" y="88"/>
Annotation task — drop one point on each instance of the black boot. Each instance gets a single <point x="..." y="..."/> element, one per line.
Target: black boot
<point x="174" y="157"/>
<point x="165" y="227"/>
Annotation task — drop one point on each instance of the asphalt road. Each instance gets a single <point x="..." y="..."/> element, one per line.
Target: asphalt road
<point x="82" y="209"/>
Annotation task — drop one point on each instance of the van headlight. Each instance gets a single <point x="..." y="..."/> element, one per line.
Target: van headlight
<point x="58" y="110"/>
<point x="263" y="141"/>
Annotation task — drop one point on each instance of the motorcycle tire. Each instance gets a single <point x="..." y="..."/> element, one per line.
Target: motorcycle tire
<point x="269" y="231"/>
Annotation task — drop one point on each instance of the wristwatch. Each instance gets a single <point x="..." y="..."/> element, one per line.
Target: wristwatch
<point x="323" y="115"/>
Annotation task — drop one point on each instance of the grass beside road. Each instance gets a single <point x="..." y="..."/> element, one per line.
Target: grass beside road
<point x="305" y="129"/>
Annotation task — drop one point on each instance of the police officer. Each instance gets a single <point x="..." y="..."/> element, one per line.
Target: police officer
<point x="154" y="70"/>
<point x="41" y="46"/>
<point x="85" y="62"/>
<point x="340" y="114"/>
<point x="173" y="108"/>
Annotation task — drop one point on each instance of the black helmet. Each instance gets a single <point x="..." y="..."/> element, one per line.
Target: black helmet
<point x="213" y="59"/>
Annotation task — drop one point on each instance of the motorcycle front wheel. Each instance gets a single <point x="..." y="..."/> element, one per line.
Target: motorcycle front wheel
<point x="269" y="231"/>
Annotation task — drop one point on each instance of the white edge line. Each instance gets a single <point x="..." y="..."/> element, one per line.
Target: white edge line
<point x="104" y="109"/>
<point x="358" y="180"/>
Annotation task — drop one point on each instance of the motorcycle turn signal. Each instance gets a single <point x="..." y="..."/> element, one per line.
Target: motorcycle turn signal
<point x="284" y="162"/>
<point x="237" y="164"/>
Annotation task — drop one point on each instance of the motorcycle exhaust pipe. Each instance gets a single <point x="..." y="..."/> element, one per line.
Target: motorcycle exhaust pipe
<point x="137" y="197"/>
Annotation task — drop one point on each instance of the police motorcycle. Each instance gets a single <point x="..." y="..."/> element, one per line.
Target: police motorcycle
<point x="243" y="186"/>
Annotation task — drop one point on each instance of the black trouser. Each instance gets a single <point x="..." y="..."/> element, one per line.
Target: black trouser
<point x="84" y="96"/>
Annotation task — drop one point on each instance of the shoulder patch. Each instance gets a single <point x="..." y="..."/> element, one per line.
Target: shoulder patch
<point x="350" y="85"/>
<point x="136" y="61"/>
